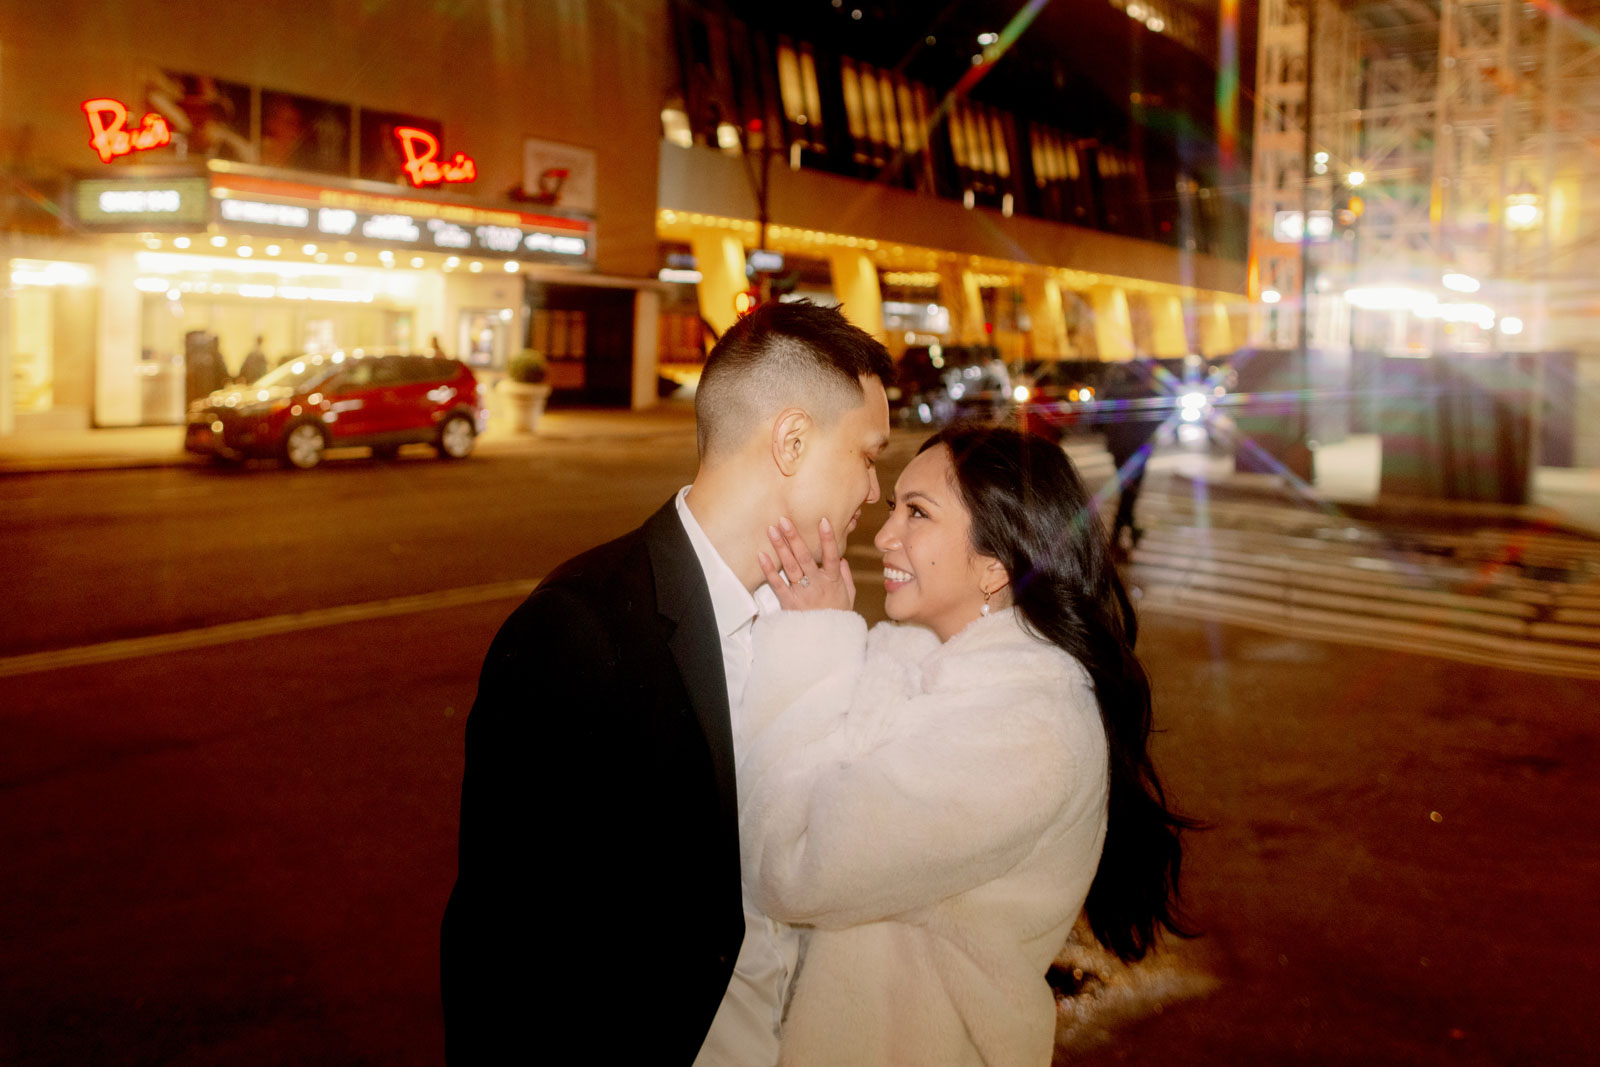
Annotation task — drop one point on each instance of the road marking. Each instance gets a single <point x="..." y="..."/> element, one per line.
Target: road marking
<point x="250" y="629"/>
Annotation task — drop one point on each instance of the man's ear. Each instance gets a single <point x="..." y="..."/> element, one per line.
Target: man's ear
<point x="790" y="432"/>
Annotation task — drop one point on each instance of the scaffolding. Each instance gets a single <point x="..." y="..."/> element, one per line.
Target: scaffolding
<point x="1475" y="125"/>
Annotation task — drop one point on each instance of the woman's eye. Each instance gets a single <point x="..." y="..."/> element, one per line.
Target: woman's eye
<point x="918" y="512"/>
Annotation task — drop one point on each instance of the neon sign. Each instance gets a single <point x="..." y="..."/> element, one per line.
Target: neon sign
<point x="422" y="164"/>
<point x="110" y="137"/>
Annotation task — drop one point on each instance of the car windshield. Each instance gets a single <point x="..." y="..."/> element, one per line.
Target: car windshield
<point x="298" y="373"/>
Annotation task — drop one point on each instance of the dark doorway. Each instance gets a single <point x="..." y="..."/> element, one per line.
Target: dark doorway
<point x="586" y="334"/>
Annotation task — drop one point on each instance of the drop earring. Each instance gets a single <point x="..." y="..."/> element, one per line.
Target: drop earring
<point x="985" y="609"/>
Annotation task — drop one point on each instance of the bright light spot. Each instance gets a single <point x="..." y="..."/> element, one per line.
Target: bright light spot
<point x="727" y="136"/>
<point x="1021" y="394"/>
<point x="1270" y="296"/>
<point x="299" y="368"/>
<point x="1191" y="435"/>
<point x="452" y="262"/>
<point x="1156" y="23"/>
<point x="1510" y="325"/>
<point x="218" y="241"/>
<point x="245" y="251"/>
<point x="957" y="391"/>
<point x="309" y="249"/>
<point x="174" y="295"/>
<point x="1136" y="11"/>
<point x="180" y="242"/>
<point x="475" y="267"/>
<point x="1522" y="211"/>
<point x="263" y="394"/>
<point x="216" y="426"/>
<point x="273" y="250"/>
<point x="505" y="314"/>
<point x="1355" y="177"/>
<point x="1461" y="283"/>
<point x="416" y="261"/>
<point x="1073" y="394"/>
<point x="1320" y="157"/>
<point x="337" y="357"/>
<point x="1086" y="393"/>
<point x="349" y="257"/>
<point x="987" y="39"/>
<point x="1388" y="298"/>
<point x="512" y="266"/>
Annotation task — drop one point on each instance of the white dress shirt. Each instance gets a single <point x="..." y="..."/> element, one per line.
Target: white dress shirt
<point x="745" y="1030"/>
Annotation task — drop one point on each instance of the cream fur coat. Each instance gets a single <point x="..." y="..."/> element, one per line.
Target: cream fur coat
<point x="933" y="815"/>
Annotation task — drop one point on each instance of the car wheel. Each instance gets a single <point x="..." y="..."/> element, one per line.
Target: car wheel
<point x="304" y="445"/>
<point x="385" y="452"/>
<point x="456" y="437"/>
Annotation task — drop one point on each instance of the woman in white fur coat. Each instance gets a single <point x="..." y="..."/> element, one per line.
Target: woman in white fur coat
<point x="931" y="800"/>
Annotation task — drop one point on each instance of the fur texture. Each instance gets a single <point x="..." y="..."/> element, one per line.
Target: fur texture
<point x="933" y="815"/>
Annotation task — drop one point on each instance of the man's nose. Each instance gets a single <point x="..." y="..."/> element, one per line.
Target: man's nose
<point x="872" y="491"/>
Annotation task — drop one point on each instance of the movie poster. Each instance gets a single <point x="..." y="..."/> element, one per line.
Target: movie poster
<point x="305" y="133"/>
<point x="210" y="118"/>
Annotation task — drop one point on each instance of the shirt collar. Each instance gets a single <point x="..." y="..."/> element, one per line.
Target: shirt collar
<point x="731" y="602"/>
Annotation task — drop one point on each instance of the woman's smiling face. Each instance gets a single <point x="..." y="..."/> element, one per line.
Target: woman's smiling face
<point x="931" y="574"/>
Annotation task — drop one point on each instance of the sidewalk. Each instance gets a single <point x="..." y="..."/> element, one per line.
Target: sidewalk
<point x="134" y="447"/>
<point x="1346" y="476"/>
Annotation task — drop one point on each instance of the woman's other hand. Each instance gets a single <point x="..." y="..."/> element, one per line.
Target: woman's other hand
<point x="810" y="586"/>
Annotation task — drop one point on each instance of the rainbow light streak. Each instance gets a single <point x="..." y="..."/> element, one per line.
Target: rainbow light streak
<point x="1228" y="85"/>
<point x="991" y="55"/>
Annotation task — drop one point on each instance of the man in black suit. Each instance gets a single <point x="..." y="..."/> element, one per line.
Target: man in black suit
<point x="598" y="907"/>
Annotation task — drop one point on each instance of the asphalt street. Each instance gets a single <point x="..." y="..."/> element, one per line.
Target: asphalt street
<point x="237" y="851"/>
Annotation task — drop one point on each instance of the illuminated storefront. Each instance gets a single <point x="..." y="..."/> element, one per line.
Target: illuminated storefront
<point x="238" y="257"/>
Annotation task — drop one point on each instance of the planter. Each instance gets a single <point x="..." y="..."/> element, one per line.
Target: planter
<point x="524" y="403"/>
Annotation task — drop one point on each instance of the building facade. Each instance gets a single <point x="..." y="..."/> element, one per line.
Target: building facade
<point x="183" y="180"/>
<point x="591" y="179"/>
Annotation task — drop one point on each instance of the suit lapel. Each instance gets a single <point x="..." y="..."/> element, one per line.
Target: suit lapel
<point x="684" y="601"/>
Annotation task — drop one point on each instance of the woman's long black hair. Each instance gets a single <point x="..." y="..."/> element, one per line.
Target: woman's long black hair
<point x="1030" y="511"/>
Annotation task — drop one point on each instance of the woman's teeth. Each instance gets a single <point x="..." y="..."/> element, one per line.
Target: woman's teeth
<point x="890" y="574"/>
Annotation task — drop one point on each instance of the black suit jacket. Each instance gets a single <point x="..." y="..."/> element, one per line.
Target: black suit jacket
<point x="597" y="904"/>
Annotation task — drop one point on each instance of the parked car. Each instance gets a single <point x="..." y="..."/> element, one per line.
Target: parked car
<point x="1055" y="396"/>
<point x="316" y="402"/>
<point x="939" y="384"/>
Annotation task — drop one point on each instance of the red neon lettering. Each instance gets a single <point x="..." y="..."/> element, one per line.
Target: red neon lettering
<point x="110" y="137"/>
<point x="422" y="166"/>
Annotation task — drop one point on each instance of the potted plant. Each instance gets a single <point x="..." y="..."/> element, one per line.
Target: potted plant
<point x="525" y="389"/>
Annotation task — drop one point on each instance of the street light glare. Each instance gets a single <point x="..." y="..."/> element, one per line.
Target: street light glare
<point x="1355" y="177"/>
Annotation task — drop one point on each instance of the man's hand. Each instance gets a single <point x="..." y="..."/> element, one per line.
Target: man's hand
<point x="810" y="586"/>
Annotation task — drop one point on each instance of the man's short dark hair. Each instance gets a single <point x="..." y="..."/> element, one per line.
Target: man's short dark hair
<point x="782" y="354"/>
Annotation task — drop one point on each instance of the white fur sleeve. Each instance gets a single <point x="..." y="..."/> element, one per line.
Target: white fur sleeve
<point x="841" y="825"/>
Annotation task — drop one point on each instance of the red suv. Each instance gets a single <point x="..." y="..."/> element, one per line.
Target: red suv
<point x="313" y="403"/>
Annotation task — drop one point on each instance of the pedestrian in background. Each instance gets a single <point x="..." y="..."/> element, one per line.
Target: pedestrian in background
<point x="255" y="363"/>
<point x="599" y="813"/>
<point x="1131" y="413"/>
